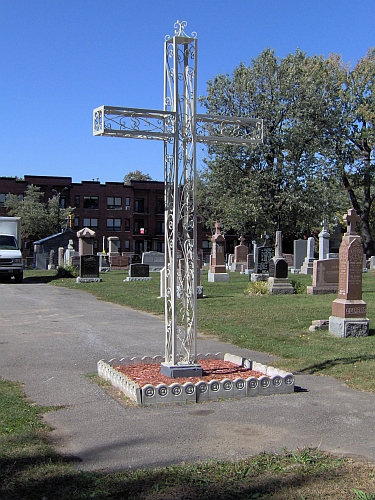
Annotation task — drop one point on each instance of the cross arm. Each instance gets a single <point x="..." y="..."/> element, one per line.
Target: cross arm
<point x="133" y="123"/>
<point x="229" y="129"/>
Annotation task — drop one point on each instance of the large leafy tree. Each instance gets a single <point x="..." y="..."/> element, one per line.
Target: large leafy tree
<point x="38" y="219"/>
<point x="286" y="178"/>
<point x="353" y="141"/>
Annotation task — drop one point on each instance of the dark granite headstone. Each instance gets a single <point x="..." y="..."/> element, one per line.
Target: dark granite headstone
<point x="263" y="255"/>
<point x="139" y="270"/>
<point x="89" y="266"/>
<point x="278" y="268"/>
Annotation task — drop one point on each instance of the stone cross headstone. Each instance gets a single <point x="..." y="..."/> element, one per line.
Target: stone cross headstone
<point x="180" y="127"/>
<point x="349" y="310"/>
<point x="218" y="269"/>
<point x="241" y="252"/>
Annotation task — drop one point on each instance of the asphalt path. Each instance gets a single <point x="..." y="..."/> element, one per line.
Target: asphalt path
<point x="51" y="338"/>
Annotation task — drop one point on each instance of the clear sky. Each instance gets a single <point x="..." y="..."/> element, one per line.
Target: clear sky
<point x="59" y="59"/>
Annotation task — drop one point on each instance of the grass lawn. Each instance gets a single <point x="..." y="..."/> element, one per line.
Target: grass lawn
<point x="275" y="324"/>
<point x="31" y="470"/>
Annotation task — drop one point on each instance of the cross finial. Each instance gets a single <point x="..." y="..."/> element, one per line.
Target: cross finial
<point x="351" y="218"/>
<point x="217" y="228"/>
<point x="241" y="240"/>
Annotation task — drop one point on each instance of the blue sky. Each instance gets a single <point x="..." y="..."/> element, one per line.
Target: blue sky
<point x="62" y="58"/>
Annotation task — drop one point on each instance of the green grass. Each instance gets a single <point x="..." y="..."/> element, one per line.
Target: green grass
<point x="31" y="470"/>
<point x="274" y="324"/>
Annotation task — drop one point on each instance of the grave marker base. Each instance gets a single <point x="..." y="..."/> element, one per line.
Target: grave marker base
<point x="349" y="327"/>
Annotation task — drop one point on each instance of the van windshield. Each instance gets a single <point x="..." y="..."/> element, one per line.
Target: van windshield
<point x="8" y="242"/>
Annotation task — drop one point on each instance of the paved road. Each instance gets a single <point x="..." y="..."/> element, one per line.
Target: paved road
<point x="51" y="337"/>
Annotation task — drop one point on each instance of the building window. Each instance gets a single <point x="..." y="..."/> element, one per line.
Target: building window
<point x="92" y="223"/>
<point x="127" y="224"/>
<point x="77" y="200"/>
<point x="62" y="202"/>
<point x="3" y="198"/>
<point x="160" y="206"/>
<point x="95" y="246"/>
<point x="91" y="202"/>
<point x="127" y="203"/>
<point x="114" y="203"/>
<point x="76" y="222"/>
<point x="113" y="224"/>
<point x="139" y="205"/>
<point x="206" y="244"/>
<point x="139" y="226"/>
<point x="160" y="227"/>
<point x="160" y="246"/>
<point x="127" y="245"/>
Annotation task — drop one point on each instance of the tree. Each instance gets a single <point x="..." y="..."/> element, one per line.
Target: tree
<point x="353" y="147"/>
<point x="38" y="220"/>
<point x="137" y="175"/>
<point x="286" y="177"/>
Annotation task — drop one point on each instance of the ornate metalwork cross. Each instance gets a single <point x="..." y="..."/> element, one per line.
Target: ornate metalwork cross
<point x="180" y="127"/>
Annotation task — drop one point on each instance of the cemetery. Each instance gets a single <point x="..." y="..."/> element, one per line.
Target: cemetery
<point x="313" y="312"/>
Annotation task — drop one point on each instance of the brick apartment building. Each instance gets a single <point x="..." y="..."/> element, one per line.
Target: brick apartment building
<point x="134" y="213"/>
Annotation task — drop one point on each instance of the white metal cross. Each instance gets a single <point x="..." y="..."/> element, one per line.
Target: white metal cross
<point x="180" y="127"/>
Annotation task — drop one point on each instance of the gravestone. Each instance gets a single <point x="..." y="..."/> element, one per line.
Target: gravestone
<point x="89" y="269"/>
<point x="324" y="237"/>
<point x="241" y="252"/>
<point x="156" y="260"/>
<point x="349" y="310"/>
<point x="278" y="282"/>
<point x="104" y="266"/>
<point x="307" y="266"/>
<point x="51" y="264"/>
<point x="325" y="277"/>
<point x="60" y="257"/>
<point x="299" y="253"/>
<point x="112" y="245"/>
<point x="119" y="262"/>
<point x="217" y="270"/>
<point x="86" y="241"/>
<point x="41" y="260"/>
<point x="69" y="254"/>
<point x="263" y="255"/>
<point x="138" y="272"/>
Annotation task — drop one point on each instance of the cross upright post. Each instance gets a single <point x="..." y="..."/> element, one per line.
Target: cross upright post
<point x="180" y="127"/>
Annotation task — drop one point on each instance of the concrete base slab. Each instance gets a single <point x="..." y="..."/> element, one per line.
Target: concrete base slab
<point x="349" y="327"/>
<point x="88" y="280"/>
<point x="216" y="277"/>
<point x="174" y="371"/>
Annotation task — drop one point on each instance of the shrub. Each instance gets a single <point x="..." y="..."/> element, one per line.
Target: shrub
<point x="68" y="271"/>
<point x="299" y="287"/>
<point x="257" y="288"/>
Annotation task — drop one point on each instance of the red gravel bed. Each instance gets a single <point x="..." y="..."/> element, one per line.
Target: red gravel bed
<point x="213" y="369"/>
